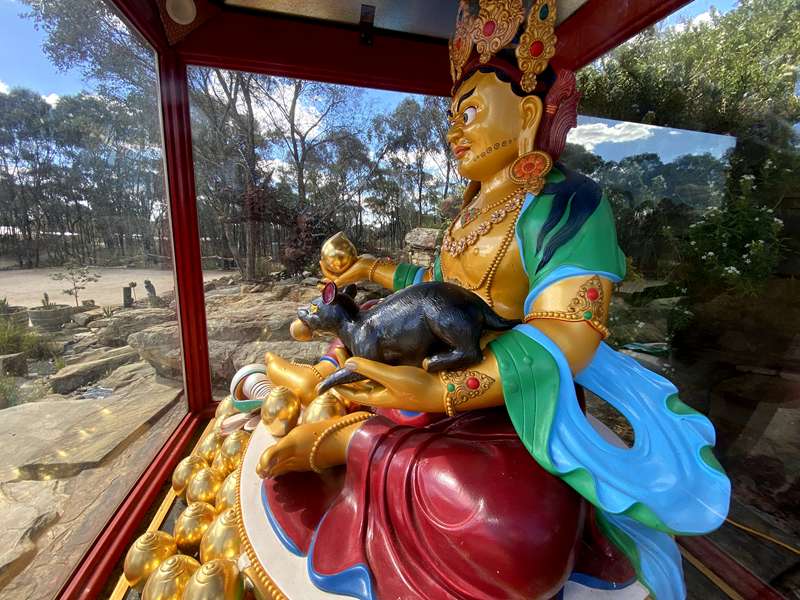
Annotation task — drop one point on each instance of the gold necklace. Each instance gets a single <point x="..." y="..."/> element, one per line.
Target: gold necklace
<point x="509" y="204"/>
<point x="472" y="212"/>
<point x="488" y="276"/>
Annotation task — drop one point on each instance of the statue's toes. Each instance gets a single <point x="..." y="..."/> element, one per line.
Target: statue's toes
<point x="274" y="456"/>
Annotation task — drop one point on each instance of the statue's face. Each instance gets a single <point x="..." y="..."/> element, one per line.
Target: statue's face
<point x="486" y="121"/>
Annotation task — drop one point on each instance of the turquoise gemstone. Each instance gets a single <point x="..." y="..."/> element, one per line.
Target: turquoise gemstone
<point x="451" y="388"/>
<point x="587" y="315"/>
<point x="544" y="12"/>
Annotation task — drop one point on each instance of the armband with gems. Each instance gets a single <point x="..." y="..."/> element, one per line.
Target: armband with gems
<point x="587" y="306"/>
<point x="462" y="386"/>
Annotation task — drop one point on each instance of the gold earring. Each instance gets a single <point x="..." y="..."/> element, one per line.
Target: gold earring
<point x="530" y="169"/>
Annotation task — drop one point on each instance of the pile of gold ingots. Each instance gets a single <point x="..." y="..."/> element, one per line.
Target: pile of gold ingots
<point x="198" y="560"/>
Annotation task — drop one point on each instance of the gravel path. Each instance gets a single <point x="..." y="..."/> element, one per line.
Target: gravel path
<point x="24" y="287"/>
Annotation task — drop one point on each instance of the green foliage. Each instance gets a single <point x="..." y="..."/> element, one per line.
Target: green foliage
<point x="46" y="301"/>
<point x="735" y="247"/>
<point x="77" y="277"/>
<point x="17" y="338"/>
<point x="59" y="363"/>
<point x="108" y="311"/>
<point x="4" y="305"/>
<point x="9" y="394"/>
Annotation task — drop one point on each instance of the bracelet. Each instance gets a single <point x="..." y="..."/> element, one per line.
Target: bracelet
<point x="340" y="424"/>
<point x="378" y="261"/>
<point x="461" y="387"/>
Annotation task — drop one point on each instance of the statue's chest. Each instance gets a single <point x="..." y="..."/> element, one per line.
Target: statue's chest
<point x="482" y="256"/>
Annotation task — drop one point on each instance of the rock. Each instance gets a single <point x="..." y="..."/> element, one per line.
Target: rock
<point x="421" y="244"/>
<point x="127" y="374"/>
<point x="84" y="318"/>
<point x="72" y="377"/>
<point x="26" y="509"/>
<point x="13" y="364"/>
<point x="160" y="346"/>
<point x="126" y="322"/>
<point x="84" y="342"/>
<point x="664" y="304"/>
<point x="99" y="323"/>
<point x="72" y="435"/>
<point x="304" y="352"/>
<point x="310" y="281"/>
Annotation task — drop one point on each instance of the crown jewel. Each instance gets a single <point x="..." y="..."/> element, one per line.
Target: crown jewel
<point x="495" y="26"/>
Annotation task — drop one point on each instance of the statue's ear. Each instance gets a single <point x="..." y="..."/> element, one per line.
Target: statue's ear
<point x="329" y="293"/>
<point x="531" y="115"/>
<point x="351" y="290"/>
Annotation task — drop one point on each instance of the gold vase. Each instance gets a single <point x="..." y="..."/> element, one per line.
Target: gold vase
<point x="221" y="539"/>
<point x="169" y="581"/>
<point x="184" y="472"/>
<point x="226" y="496"/>
<point x="145" y="556"/>
<point x="300" y="331"/>
<point x="209" y="446"/>
<point x="204" y="485"/>
<point x="338" y="253"/>
<point x="191" y="524"/>
<point x="218" y="579"/>
<point x="322" y="408"/>
<point x="280" y="411"/>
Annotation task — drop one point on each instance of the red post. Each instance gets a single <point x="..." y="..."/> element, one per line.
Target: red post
<point x="188" y="270"/>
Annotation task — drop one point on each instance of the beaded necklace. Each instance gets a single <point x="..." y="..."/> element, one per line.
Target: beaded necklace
<point x="507" y="205"/>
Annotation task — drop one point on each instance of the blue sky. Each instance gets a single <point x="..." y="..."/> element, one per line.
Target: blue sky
<point x="24" y="64"/>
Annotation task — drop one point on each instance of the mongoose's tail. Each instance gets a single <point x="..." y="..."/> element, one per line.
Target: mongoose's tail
<point x="339" y="377"/>
<point x="495" y="322"/>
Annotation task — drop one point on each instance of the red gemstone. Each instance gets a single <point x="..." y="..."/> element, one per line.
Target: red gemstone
<point x="537" y="48"/>
<point x="592" y="294"/>
<point x="488" y="28"/>
<point x="473" y="383"/>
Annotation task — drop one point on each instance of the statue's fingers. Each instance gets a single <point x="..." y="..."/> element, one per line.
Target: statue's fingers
<point x="388" y="376"/>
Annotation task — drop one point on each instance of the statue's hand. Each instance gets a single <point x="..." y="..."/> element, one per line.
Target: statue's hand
<point x="406" y="388"/>
<point x="300" y="379"/>
<point x="358" y="271"/>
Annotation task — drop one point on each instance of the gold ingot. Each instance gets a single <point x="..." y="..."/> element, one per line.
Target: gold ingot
<point x="338" y="253"/>
<point x="191" y="524"/>
<point x="322" y="408"/>
<point x="216" y="580"/>
<point x="225" y="407"/>
<point x="300" y="331"/>
<point x="223" y="464"/>
<point x="209" y="446"/>
<point x="233" y="448"/>
<point x="205" y="484"/>
<point x="170" y="579"/>
<point x="280" y="411"/>
<point x="221" y="539"/>
<point x="226" y="496"/>
<point x="145" y="556"/>
<point x="184" y="472"/>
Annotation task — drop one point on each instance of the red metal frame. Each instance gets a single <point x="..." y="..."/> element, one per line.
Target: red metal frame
<point x="91" y="576"/>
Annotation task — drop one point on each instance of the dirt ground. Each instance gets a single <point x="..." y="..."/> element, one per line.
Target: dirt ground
<point x="25" y="287"/>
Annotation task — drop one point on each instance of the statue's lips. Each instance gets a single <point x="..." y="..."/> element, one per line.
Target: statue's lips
<point x="460" y="151"/>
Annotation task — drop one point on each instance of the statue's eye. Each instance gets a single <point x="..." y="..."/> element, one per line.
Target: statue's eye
<point x="313" y="308"/>
<point x="469" y="115"/>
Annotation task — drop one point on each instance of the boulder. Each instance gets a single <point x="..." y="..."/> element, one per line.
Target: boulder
<point x="421" y="244"/>
<point x="82" y="319"/>
<point x="13" y="364"/>
<point x="74" y="376"/>
<point x="126" y="322"/>
<point x="26" y="509"/>
<point x="161" y="347"/>
<point x="126" y="375"/>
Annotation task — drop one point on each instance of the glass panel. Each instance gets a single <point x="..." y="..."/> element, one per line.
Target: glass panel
<point x="282" y="164"/>
<point x="694" y="137"/>
<point x="91" y="381"/>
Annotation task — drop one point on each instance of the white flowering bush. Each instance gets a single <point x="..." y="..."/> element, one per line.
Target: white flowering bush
<point x="736" y="246"/>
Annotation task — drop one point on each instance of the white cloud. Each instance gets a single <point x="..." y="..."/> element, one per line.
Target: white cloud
<point x="52" y="99"/>
<point x="592" y="134"/>
<point x="3" y="87"/>
<point x="704" y="17"/>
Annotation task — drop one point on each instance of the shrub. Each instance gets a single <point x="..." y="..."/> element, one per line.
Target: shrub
<point x="17" y="338"/>
<point x="9" y="394"/>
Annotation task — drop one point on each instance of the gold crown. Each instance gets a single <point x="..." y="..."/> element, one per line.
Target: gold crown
<point x="496" y="26"/>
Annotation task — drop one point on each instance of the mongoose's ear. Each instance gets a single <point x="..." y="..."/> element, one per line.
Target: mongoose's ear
<point x="329" y="293"/>
<point x="351" y="290"/>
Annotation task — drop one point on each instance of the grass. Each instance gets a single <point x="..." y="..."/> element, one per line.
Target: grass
<point x="18" y="338"/>
<point x="9" y="395"/>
